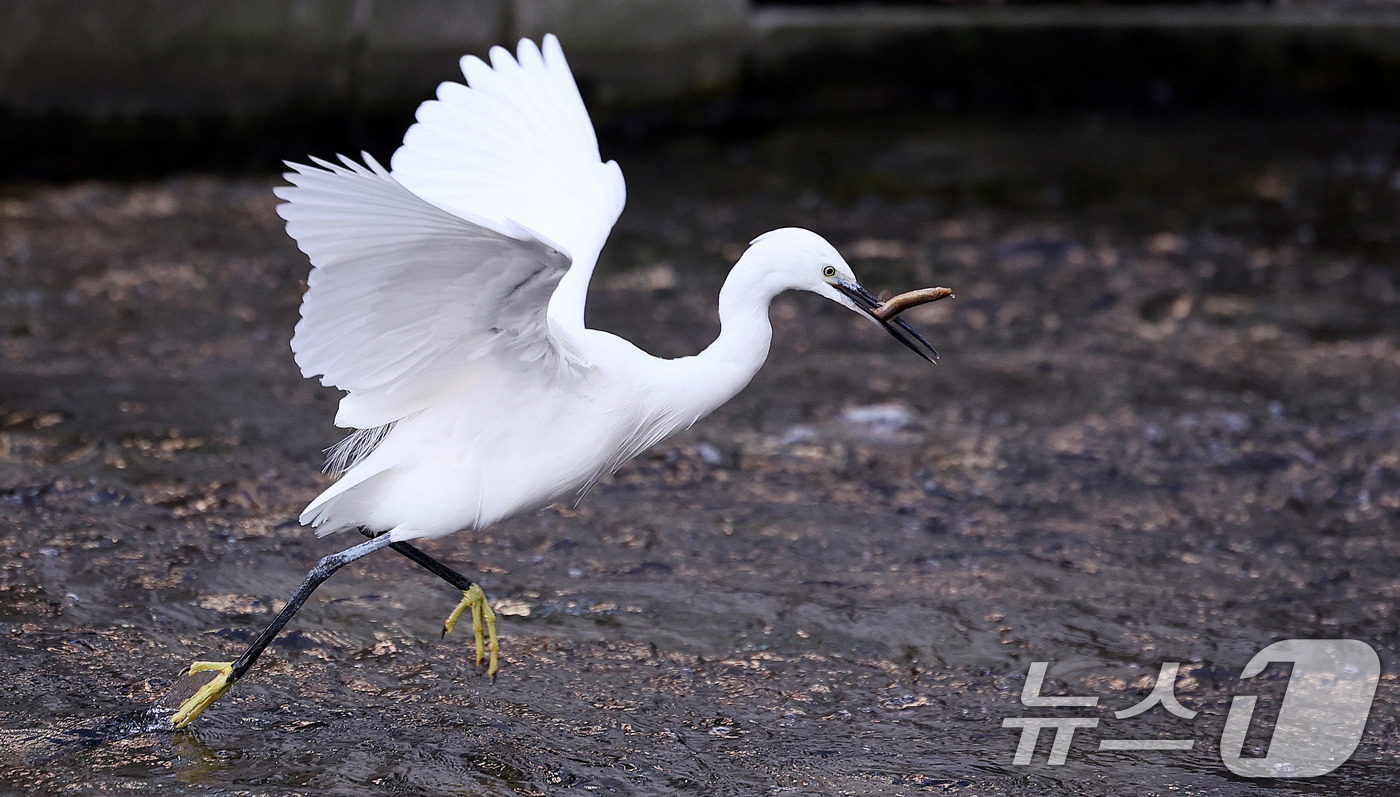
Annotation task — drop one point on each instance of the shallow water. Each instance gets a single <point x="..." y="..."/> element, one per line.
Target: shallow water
<point x="1165" y="428"/>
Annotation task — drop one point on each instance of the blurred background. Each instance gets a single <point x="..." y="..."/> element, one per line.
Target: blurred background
<point x="147" y="88"/>
<point x="1166" y="426"/>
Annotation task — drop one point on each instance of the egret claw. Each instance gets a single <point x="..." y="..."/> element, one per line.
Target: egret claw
<point x="190" y="710"/>
<point x="482" y="615"/>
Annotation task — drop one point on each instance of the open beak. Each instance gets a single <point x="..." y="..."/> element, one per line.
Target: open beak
<point x="896" y="326"/>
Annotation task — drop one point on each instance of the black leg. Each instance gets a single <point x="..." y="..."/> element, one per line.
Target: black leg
<point x="318" y="575"/>
<point x="483" y="619"/>
<point x="427" y="562"/>
<point x="220" y="684"/>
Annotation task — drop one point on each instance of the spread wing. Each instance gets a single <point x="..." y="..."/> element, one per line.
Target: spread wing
<point x="471" y="258"/>
<point x="518" y="145"/>
<point x="405" y="300"/>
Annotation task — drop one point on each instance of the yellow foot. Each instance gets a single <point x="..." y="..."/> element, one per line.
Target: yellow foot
<point x="191" y="709"/>
<point x="475" y="599"/>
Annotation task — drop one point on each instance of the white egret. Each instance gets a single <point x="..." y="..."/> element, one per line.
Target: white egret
<point x="447" y="298"/>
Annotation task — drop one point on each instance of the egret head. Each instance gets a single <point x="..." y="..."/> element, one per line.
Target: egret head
<point x="802" y="260"/>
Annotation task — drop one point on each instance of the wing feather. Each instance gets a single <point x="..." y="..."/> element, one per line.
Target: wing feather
<point x="516" y="144"/>
<point x="471" y="258"/>
<point x="406" y="300"/>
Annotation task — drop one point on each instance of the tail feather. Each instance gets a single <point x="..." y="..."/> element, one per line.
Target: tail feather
<point x="344" y="505"/>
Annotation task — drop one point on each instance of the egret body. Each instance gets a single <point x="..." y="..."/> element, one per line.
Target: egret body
<point x="447" y="300"/>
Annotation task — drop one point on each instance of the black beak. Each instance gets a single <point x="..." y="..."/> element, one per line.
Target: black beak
<point x="896" y="326"/>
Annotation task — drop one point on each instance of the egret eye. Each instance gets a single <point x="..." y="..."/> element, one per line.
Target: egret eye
<point x="829" y="272"/>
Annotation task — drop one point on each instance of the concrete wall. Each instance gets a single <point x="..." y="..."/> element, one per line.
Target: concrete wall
<point x="99" y="59"/>
<point x="104" y="57"/>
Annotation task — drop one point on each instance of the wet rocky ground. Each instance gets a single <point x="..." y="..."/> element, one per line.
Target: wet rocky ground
<point x="1166" y="428"/>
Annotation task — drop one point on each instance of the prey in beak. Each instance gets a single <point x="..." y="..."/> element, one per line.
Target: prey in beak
<point x="886" y="314"/>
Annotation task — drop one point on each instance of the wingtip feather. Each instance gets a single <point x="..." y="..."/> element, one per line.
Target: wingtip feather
<point x="501" y="58"/>
<point x="527" y="50"/>
<point x="374" y="165"/>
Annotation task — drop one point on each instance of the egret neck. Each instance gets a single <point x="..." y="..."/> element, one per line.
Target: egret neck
<point x="705" y="381"/>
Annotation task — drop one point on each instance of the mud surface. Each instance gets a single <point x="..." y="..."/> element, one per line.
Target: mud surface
<point x="1166" y="428"/>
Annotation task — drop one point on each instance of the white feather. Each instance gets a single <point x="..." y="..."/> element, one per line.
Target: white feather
<point x="518" y="145"/>
<point x="446" y="299"/>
